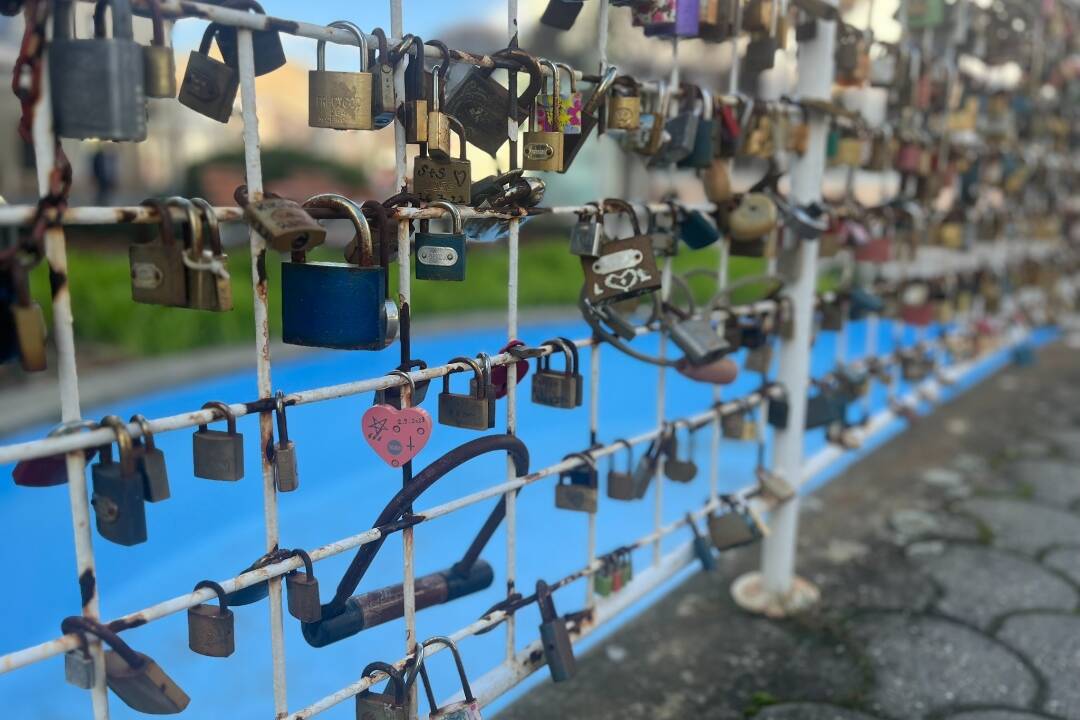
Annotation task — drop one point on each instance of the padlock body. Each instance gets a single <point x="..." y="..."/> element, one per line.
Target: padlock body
<point x="384" y="99"/>
<point x="624" y="112"/>
<point x="284" y="225"/>
<point x="30" y="335"/>
<point x="696" y="230"/>
<point x="759" y="359"/>
<point x="333" y="305"/>
<point x="416" y="121"/>
<point x="379" y="706"/>
<point x="682" y="471"/>
<point x="209" y="87"/>
<point x="119" y="510"/>
<point x="440" y="256"/>
<point x="218" y="455"/>
<point x="159" y="71"/>
<point x="79" y="669"/>
<point x="558" y="650"/>
<point x="555" y="388"/>
<point x="466" y="411"/>
<point x="450" y="181"/>
<point x="340" y="100"/>
<point x="158" y="274"/>
<point x="97" y="89"/>
<point x="732" y="426"/>
<point x="755" y="216"/>
<point x="303" y="595"/>
<point x="701" y="151"/>
<point x="211" y="631"/>
<point x="207" y="290"/>
<point x="464" y="710"/>
<point x="699" y="340"/>
<point x="155" y="474"/>
<point x="731" y="530"/>
<point x="286" y="473"/>
<point x="543" y="151"/>
<point x="146" y="688"/>
<point x="621" y="486"/>
<point x="625" y="269"/>
<point x="586" y="238"/>
<point x="580" y="498"/>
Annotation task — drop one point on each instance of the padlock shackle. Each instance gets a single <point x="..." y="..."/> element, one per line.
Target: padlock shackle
<point x="392" y="675"/>
<point x="158" y="21"/>
<point x="478" y="374"/>
<point x="121" y="19"/>
<point x="455" y="214"/>
<point x="213" y="226"/>
<point x="629" y="453"/>
<point x="352" y="211"/>
<point x="570" y="73"/>
<point x="600" y="91"/>
<point x="555" y="109"/>
<point x="123" y="442"/>
<point x="208" y="37"/>
<point x="458" y="128"/>
<point x="406" y="400"/>
<point x="545" y="603"/>
<point x="144" y="428"/>
<point x="381" y="45"/>
<point x="226" y="414"/>
<point x="526" y="63"/>
<point x="193" y="242"/>
<point x="168" y="237"/>
<point x="77" y="624"/>
<point x="620" y="206"/>
<point x="440" y="71"/>
<point x="452" y="647"/>
<point x="279" y="413"/>
<point x="218" y="590"/>
<point x="361" y="41"/>
<point x="413" y="45"/>
<point x="560" y="344"/>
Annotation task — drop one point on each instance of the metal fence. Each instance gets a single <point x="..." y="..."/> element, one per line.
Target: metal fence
<point x="776" y="586"/>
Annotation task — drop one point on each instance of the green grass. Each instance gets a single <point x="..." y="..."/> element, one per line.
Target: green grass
<point x="104" y="312"/>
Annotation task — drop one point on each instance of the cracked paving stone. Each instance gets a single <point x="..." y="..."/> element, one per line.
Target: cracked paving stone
<point x="996" y="715"/>
<point x="810" y="711"/>
<point x="1023" y="526"/>
<point x="981" y="584"/>
<point x="1053" y="481"/>
<point x="922" y="664"/>
<point x="1051" y="641"/>
<point x="1065" y="560"/>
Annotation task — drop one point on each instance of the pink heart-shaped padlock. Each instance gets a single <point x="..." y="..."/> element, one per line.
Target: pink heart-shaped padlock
<point x="397" y="436"/>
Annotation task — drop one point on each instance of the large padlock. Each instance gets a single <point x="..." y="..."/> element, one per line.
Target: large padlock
<point x="481" y="103"/>
<point x="303" y="591"/>
<point x="384" y="95"/>
<point x="554" y="388"/>
<point x="28" y="320"/>
<point x="345" y="306"/>
<point x="218" y="455"/>
<point x="51" y="470"/>
<point x="441" y="256"/>
<point x="150" y="461"/>
<point x="391" y="704"/>
<point x="466" y="709"/>
<point x="543" y="150"/>
<point x="341" y="100"/>
<point x="555" y="637"/>
<point x="117" y="497"/>
<point x="699" y="340"/>
<point x="285" y="226"/>
<point x="624" y="105"/>
<point x="268" y="52"/>
<point x="676" y="468"/>
<point x="97" y="84"/>
<point x="620" y="483"/>
<point x="472" y="411"/>
<point x="732" y="529"/>
<point x="158" y="276"/>
<point x="286" y="473"/>
<point x="209" y="86"/>
<point x="625" y="268"/>
<point x="449" y="180"/>
<point x="578" y="487"/>
<point x="211" y="629"/>
<point x="159" y="64"/>
<point x="209" y="282"/>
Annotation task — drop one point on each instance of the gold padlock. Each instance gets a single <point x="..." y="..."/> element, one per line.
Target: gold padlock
<point x="543" y="150"/>
<point x="624" y="105"/>
<point x="717" y="182"/>
<point x="29" y="320"/>
<point x="438" y="123"/>
<point x="849" y="151"/>
<point x="341" y="100"/>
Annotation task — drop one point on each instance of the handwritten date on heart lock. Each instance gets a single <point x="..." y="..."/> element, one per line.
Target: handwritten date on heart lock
<point x="397" y="436"/>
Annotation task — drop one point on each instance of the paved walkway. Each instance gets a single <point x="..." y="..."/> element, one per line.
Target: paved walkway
<point x="949" y="564"/>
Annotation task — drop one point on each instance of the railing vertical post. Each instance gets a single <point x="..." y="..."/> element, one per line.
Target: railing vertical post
<point x="511" y="369"/>
<point x="776" y="590"/>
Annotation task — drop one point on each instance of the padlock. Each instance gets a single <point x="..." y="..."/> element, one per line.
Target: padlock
<point x="150" y="461"/>
<point x="604" y="579"/>
<point x="209" y="282"/>
<point x="646" y="468"/>
<point x="51" y="470"/>
<point x="543" y="150"/>
<point x="624" y="105"/>
<point x="702" y="151"/>
<point x="415" y="104"/>
<point x="626" y="267"/>
<point x="577" y="487"/>
<point x="568" y="107"/>
<point x="286" y="473"/>
<point x="438" y="142"/>
<point x="833" y="315"/>
<point x="441" y="256"/>
<point x="28" y="320"/>
<point x="755" y="216"/>
<point x="664" y="241"/>
<point x="284" y="225"/>
<point x="97" y="84"/>
<point x="696" y="230"/>
<point x="392" y="395"/>
<point x="589" y="114"/>
<point x="554" y="388"/>
<point x="209" y="86"/>
<point x="391" y="704"/>
<point x="555" y="637"/>
<point x="731" y="424"/>
<point x="587" y="235"/>
<point x="759" y="359"/>
<point x="561" y="14"/>
<point x="314" y="294"/>
<point x="269" y="55"/>
<point x="466" y="709"/>
<point x="760" y="54"/>
<point x="218" y="455"/>
<point x="78" y="665"/>
<point x="676" y="468"/>
<point x="341" y="100"/>
<point x="681" y="131"/>
<point x="117" y="496"/>
<point x="732" y="529"/>
<point x="849" y="152"/>
<point x="303" y="591"/>
<point x="158" y="276"/>
<point x="698" y="339"/>
<point x="473" y="411"/>
<point x="384" y="95"/>
<point x="135" y="678"/>
<point x="702" y="550"/>
<point x="620" y="483"/>
<point x="211" y="629"/>
<point x="159" y="64"/>
<point x="717" y="183"/>
<point x="774" y="487"/>
<point x="449" y="180"/>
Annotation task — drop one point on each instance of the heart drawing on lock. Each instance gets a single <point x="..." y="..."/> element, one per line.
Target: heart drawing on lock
<point x="625" y="280"/>
<point x="460" y="178"/>
<point x="397" y="436"/>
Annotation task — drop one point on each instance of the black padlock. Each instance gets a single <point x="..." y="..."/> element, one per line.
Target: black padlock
<point x="391" y="704"/>
<point x="219" y="455"/>
<point x="578" y="487"/>
<point x="265" y="44"/>
<point x="561" y="14"/>
<point x="303" y="591"/>
<point x="392" y="395"/>
<point x="554" y="388"/>
<point x="151" y="463"/>
<point x="473" y="411"/>
<point x="702" y="550"/>
<point x="97" y="84"/>
<point x="620" y="483"/>
<point x="211" y="629"/>
<point x="209" y="86"/>
<point x="558" y="650"/>
<point x="118" y="500"/>
<point x="286" y="473"/>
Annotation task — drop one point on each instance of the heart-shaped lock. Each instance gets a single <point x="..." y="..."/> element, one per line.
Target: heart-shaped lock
<point x="397" y="436"/>
<point x="499" y="375"/>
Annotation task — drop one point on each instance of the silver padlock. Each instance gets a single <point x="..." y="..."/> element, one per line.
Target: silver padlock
<point x="467" y="709"/>
<point x="587" y="236"/>
<point x="286" y="474"/>
<point x="699" y="340"/>
<point x="79" y="666"/>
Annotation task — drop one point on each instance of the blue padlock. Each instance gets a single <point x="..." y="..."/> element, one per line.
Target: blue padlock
<point x="339" y="305"/>
<point x="441" y="256"/>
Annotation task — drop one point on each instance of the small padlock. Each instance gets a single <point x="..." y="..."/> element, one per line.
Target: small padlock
<point x="211" y="630"/>
<point x="577" y="488"/>
<point x="391" y="704"/>
<point x="210" y="285"/>
<point x="555" y="637"/>
<point x="286" y="473"/>
<point x="543" y="150"/>
<point x="590" y="117"/>
<point x="554" y="388"/>
<point x="624" y="105"/>
<point x="587" y="235"/>
<point x="157" y="269"/>
<point x="117" y="497"/>
<point x="218" y="455"/>
<point x="267" y="50"/>
<point x="702" y="550"/>
<point x="696" y="230"/>
<point x="620" y="483"/>
<point x="760" y="54"/>
<point x="384" y="95"/>
<point x="699" y="340"/>
<point x="759" y="359"/>
<point x="466" y="709"/>
<point x="51" y="470"/>
<point x="303" y="591"/>
<point x="732" y="529"/>
<point x="474" y="411"/>
<point x="676" y="468"/>
<point x="415" y="104"/>
<point x="441" y="256"/>
<point x="604" y="579"/>
<point x="731" y="424"/>
<point x="97" y="84"/>
<point x="438" y="141"/>
<point x="29" y="320"/>
<point x="284" y="225"/>
<point x="341" y="100"/>
<point x="646" y="468"/>
<point x="78" y="665"/>
<point x="151" y="463"/>
<point x="159" y="64"/>
<point x="717" y="182"/>
<point x="209" y="86"/>
<point x="702" y="150"/>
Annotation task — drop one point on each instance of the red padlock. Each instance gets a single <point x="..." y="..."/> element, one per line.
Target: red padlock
<point x="499" y="373"/>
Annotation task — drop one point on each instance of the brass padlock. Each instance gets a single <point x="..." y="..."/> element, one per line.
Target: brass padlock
<point x="341" y="100"/>
<point x="211" y="630"/>
<point x="383" y="706"/>
<point x="218" y="455"/>
<point x="449" y="180"/>
<point x="151" y="463"/>
<point x="117" y="496"/>
<point x="212" y="289"/>
<point x="624" y="104"/>
<point x="543" y="150"/>
<point x="849" y="152"/>
<point x="472" y="411"/>
<point x="286" y="474"/>
<point x="415" y="104"/>
<point x="554" y="388"/>
<point x="384" y="95"/>
<point x="159" y="64"/>
<point x="438" y="142"/>
<point x="578" y="487"/>
<point x="303" y="591"/>
<point x="284" y="225"/>
<point x="29" y="320"/>
<point x="158" y="276"/>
